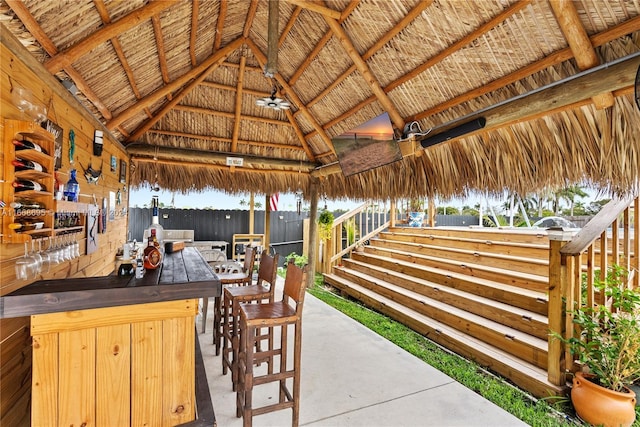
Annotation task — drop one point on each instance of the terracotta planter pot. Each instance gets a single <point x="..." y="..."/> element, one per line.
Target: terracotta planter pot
<point x="600" y="406"/>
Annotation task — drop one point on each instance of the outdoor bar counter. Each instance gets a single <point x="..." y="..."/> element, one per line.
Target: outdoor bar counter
<point x="119" y="350"/>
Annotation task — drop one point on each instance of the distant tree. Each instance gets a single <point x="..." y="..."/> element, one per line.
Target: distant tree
<point x="595" y="206"/>
<point x="447" y="210"/>
<point x="257" y="205"/>
<point x="243" y="202"/>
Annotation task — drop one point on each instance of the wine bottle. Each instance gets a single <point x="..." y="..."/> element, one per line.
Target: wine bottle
<point x="26" y="185"/>
<point x="26" y="225"/>
<point x="23" y="165"/>
<point x="27" y="145"/>
<point x="26" y="204"/>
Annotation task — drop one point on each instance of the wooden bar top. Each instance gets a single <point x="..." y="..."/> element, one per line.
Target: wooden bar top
<point x="184" y="274"/>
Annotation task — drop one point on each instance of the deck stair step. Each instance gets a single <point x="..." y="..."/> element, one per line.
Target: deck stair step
<point x="523" y="320"/>
<point x="513" y="236"/>
<point x="529" y="251"/>
<point x="522" y="345"/>
<point x="510" y="271"/>
<point x="522" y="373"/>
<point x="531" y="300"/>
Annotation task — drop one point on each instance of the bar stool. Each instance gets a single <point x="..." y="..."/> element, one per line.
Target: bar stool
<point x="229" y="277"/>
<point x="282" y="315"/>
<point x="262" y="290"/>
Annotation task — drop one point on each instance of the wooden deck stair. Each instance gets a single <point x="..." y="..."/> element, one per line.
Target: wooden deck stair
<point x="459" y="289"/>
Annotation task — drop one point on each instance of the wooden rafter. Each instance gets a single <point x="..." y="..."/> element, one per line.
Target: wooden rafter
<point x="546" y="62"/>
<point x="290" y="24"/>
<point x="174" y="85"/>
<point x="221" y="54"/>
<point x="222" y="14"/>
<point x="258" y="93"/>
<point x="179" y="154"/>
<point x="106" y="19"/>
<point x="225" y="140"/>
<point x="316" y="50"/>
<point x="314" y="7"/>
<point x="251" y="14"/>
<point x="68" y="56"/>
<point x="366" y="73"/>
<point x="373" y="49"/>
<point x="575" y="34"/>
<point x="238" y="107"/>
<point x="228" y="115"/>
<point x="36" y="31"/>
<point x="614" y="77"/>
<point x="300" y="135"/>
<point x="195" y="6"/>
<point x="262" y="59"/>
<point x="162" y="57"/>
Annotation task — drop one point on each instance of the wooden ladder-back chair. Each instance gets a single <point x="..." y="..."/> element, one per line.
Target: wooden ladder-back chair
<point x="263" y="290"/>
<point x="229" y="276"/>
<point x="274" y="315"/>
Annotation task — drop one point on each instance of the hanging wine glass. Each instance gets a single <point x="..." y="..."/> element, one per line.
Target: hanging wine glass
<point x="22" y="98"/>
<point x="44" y="257"/>
<point x="36" y="257"/>
<point x="38" y="112"/>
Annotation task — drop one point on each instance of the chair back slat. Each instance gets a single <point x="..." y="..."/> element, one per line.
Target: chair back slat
<point x="294" y="285"/>
<point x="249" y="259"/>
<point x="268" y="270"/>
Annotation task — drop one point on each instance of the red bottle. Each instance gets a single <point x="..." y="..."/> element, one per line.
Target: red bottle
<point x="151" y="255"/>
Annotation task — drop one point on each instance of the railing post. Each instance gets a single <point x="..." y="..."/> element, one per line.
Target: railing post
<point x="558" y="290"/>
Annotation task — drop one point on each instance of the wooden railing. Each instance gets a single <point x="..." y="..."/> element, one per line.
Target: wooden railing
<point x="611" y="237"/>
<point x="371" y="218"/>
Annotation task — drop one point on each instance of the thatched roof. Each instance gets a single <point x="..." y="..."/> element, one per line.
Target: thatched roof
<point x="177" y="83"/>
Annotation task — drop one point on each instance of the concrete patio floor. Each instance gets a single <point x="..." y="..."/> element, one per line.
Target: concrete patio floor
<point x="353" y="377"/>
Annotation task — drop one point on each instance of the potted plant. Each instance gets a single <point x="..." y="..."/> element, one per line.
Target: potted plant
<point x="608" y="347"/>
<point x="416" y="212"/>
<point x="325" y="224"/>
<point x="350" y="230"/>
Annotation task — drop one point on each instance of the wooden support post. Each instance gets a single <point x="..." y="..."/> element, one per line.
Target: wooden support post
<point x="392" y="213"/>
<point x="313" y="232"/>
<point x="431" y="220"/>
<point x="556" y="364"/>
<point x="251" y="213"/>
<point x="267" y="222"/>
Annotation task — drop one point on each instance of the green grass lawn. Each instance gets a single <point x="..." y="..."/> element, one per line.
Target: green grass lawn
<point x="535" y="412"/>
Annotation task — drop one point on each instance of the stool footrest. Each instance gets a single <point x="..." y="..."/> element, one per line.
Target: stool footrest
<point x="271" y="408"/>
<point x="265" y="379"/>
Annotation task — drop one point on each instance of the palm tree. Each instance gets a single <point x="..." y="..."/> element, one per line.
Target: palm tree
<point x="569" y="194"/>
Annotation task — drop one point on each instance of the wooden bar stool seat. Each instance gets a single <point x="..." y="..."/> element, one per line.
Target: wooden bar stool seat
<point x="263" y="290"/>
<point x="228" y="277"/>
<point x="279" y="315"/>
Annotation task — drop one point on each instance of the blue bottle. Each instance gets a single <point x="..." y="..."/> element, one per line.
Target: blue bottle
<point x="72" y="188"/>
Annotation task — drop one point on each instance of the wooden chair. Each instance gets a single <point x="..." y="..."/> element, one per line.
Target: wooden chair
<point x="229" y="277"/>
<point x="281" y="314"/>
<point x="263" y="290"/>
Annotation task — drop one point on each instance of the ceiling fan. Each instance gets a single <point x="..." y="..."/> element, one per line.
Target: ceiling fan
<point x="273" y="102"/>
<point x="271" y="67"/>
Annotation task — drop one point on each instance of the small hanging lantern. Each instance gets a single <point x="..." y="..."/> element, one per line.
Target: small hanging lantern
<point x="299" y="201"/>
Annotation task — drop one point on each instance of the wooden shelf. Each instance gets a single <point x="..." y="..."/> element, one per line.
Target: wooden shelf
<point x="32" y="175"/>
<point x="68" y="229"/>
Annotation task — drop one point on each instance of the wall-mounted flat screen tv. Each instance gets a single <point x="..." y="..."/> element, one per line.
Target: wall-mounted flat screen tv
<point x="368" y="146"/>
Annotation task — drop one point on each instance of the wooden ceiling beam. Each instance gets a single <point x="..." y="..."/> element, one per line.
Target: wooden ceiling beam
<point x="36" y="31"/>
<point x="413" y="14"/>
<point x="585" y="55"/>
<point x="133" y="19"/>
<point x="195" y="7"/>
<point x="546" y="62"/>
<point x="162" y="57"/>
<point x="319" y="46"/>
<point x="366" y="73"/>
<point x="226" y="140"/>
<point x="314" y="7"/>
<point x="258" y="93"/>
<point x="106" y="19"/>
<point x="300" y="135"/>
<point x="182" y="154"/>
<point x="615" y="76"/>
<point x="251" y="14"/>
<point x="222" y="14"/>
<point x="174" y="85"/>
<point x="290" y="24"/>
<point x="215" y="166"/>
<point x="179" y="96"/>
<point x="229" y="115"/>
<point x="262" y="59"/>
<point x="238" y="107"/>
